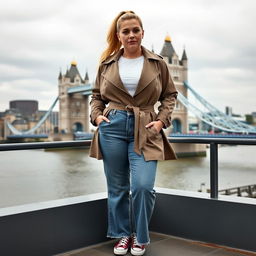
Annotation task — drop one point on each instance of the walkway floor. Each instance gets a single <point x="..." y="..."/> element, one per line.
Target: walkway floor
<point x="164" y="245"/>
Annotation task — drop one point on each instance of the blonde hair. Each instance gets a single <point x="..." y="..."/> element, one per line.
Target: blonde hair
<point x="114" y="44"/>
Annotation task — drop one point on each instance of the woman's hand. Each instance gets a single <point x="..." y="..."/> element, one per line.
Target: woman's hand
<point x="158" y="125"/>
<point x="100" y="119"/>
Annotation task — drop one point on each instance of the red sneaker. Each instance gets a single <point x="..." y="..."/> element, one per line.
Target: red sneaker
<point x="136" y="248"/>
<point x="122" y="246"/>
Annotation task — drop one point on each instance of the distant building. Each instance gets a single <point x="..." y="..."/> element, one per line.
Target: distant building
<point x="254" y="118"/>
<point x="228" y="111"/>
<point x="23" y="118"/>
<point x="251" y="118"/>
<point x="25" y="107"/>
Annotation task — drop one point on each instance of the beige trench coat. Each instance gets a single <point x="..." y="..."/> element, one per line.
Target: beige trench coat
<point x="155" y="85"/>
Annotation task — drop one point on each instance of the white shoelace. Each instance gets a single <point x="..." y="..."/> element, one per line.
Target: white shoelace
<point x="123" y="241"/>
<point x="135" y="241"/>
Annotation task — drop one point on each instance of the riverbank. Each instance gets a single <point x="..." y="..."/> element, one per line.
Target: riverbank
<point x="36" y="175"/>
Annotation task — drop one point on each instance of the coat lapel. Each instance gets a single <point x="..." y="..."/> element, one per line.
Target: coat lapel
<point x="148" y="74"/>
<point x="112" y="75"/>
<point x="149" y="71"/>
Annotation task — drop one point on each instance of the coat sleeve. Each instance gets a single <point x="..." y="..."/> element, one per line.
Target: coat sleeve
<point x="96" y="103"/>
<point x="168" y="96"/>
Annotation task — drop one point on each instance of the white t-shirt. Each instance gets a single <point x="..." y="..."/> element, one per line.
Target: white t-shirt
<point x="130" y="72"/>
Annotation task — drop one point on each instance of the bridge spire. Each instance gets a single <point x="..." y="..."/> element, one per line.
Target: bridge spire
<point x="167" y="38"/>
<point x="73" y="72"/>
<point x="86" y="78"/>
<point x="73" y="63"/>
<point x="184" y="55"/>
<point x="168" y="50"/>
<point x="60" y="75"/>
<point x="67" y="73"/>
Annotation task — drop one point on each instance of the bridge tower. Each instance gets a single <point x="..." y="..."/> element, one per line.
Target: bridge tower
<point x="73" y="108"/>
<point x="179" y="72"/>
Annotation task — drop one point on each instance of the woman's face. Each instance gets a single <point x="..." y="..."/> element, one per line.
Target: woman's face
<point x="130" y="35"/>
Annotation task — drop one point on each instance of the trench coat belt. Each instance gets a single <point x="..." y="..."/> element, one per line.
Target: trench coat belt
<point x="140" y="130"/>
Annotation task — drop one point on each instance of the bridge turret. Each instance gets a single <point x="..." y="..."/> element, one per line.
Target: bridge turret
<point x="74" y="74"/>
<point x="167" y="51"/>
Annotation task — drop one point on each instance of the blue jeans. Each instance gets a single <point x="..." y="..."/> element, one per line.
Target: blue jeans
<point x="130" y="179"/>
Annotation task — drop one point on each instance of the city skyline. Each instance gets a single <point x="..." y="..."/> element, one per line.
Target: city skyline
<point x="39" y="39"/>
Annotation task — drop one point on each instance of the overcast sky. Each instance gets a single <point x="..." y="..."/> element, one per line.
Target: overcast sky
<point x="40" y="38"/>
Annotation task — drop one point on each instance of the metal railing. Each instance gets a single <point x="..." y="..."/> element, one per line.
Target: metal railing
<point x="213" y="142"/>
<point x="249" y="191"/>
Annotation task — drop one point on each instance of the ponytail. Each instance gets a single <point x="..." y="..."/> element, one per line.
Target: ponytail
<point x="114" y="44"/>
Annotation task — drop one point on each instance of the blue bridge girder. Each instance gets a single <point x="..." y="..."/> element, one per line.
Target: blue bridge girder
<point x="28" y="136"/>
<point x="214" y="116"/>
<point x="83" y="89"/>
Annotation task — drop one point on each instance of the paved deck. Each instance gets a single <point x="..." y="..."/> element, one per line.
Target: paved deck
<point x="164" y="245"/>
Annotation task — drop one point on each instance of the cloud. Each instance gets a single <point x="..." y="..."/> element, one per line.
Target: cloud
<point x="226" y="87"/>
<point x="24" y="11"/>
<point x="29" y="89"/>
<point x="40" y="38"/>
<point x="8" y="71"/>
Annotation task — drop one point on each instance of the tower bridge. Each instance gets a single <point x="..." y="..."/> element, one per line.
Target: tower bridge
<point x="75" y="91"/>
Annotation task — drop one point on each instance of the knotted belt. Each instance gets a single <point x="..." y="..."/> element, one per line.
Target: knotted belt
<point x="140" y="132"/>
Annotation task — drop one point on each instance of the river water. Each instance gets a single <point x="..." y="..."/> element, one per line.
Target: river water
<point x="37" y="175"/>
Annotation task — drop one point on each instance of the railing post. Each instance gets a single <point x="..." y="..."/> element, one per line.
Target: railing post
<point x="214" y="169"/>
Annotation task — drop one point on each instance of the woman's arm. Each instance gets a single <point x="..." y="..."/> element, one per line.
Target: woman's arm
<point x="96" y="103"/>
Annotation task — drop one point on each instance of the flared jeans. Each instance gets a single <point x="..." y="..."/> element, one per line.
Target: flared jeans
<point x="130" y="179"/>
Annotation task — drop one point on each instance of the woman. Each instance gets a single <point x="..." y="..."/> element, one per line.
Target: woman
<point x="129" y="137"/>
